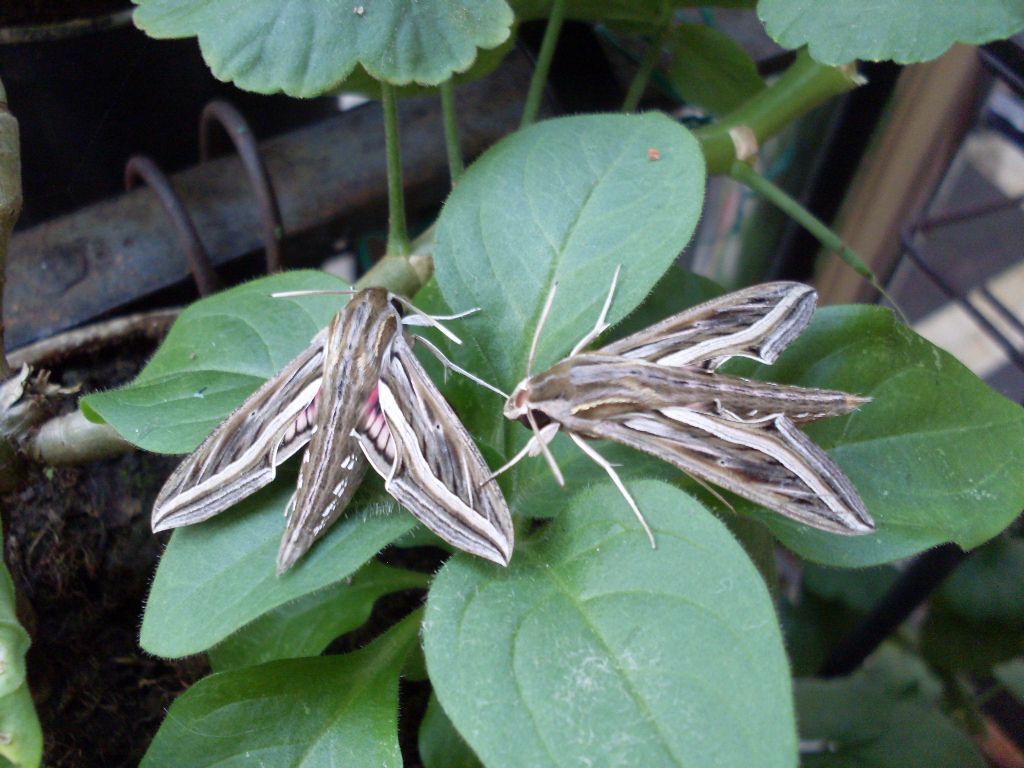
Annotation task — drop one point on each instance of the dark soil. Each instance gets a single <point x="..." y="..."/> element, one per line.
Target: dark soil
<point x="81" y="553"/>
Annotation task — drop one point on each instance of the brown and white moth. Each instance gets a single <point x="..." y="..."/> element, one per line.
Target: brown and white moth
<point x="357" y="397"/>
<point x="659" y="391"/>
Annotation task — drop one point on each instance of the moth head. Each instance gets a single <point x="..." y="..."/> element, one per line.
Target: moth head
<point x="518" y="402"/>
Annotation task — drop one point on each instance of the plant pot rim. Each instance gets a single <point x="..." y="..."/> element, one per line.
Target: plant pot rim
<point x="60" y="30"/>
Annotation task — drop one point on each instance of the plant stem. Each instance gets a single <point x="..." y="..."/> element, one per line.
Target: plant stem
<point x="746" y="175"/>
<point x="540" y="70"/>
<point x="801" y="88"/>
<point x="643" y="74"/>
<point x="398" y="236"/>
<point x="10" y="203"/>
<point x="451" y="130"/>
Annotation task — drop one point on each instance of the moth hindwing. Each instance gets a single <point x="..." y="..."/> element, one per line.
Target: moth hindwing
<point x="357" y="397"/>
<point x="659" y="391"/>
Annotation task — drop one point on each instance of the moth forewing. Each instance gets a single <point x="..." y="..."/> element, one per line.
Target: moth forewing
<point x="241" y="455"/>
<point x="430" y="463"/>
<point x="333" y="464"/>
<point x="757" y="322"/>
<point x="657" y="391"/>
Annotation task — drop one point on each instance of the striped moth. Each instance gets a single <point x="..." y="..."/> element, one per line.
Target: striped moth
<point x="356" y="397"/>
<point x="659" y="391"/>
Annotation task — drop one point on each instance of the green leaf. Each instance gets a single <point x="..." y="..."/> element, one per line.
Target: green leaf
<point x="987" y="585"/>
<point x="594" y="648"/>
<point x="219" y="351"/>
<point x="440" y="744"/>
<point x="216" y="577"/>
<point x="937" y="455"/>
<point x="904" y="31"/>
<point x="1011" y="675"/>
<point x="304" y="627"/>
<point x="21" y="738"/>
<point x="565" y="201"/>
<point x="710" y="69"/>
<point x="303" y="713"/>
<point x="870" y="727"/>
<point x="308" y="47"/>
<point x="952" y="643"/>
<point x="860" y="590"/>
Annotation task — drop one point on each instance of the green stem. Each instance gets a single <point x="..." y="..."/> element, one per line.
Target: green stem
<point x="540" y="71"/>
<point x="451" y="130"/>
<point x="746" y="175"/>
<point x="639" y="83"/>
<point x="398" y="236"/>
<point x="801" y="88"/>
<point x="10" y="203"/>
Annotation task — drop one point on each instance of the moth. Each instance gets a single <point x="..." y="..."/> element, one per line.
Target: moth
<point x="659" y="391"/>
<point x="357" y="397"/>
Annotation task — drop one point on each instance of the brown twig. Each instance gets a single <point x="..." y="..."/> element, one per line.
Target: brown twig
<point x="49" y="352"/>
<point x="10" y="202"/>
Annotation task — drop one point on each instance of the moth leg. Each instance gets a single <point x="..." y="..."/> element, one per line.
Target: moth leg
<point x="449" y="365"/>
<point x="606" y="465"/>
<point x="530" y="449"/>
<point x="422" y="318"/>
<point x="602" y="320"/>
<point x="543" y="445"/>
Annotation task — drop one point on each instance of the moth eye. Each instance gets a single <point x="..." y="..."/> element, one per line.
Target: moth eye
<point x="520" y="398"/>
<point x="396" y="305"/>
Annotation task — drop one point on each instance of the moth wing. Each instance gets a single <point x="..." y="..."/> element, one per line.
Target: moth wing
<point x="241" y="455"/>
<point x="333" y="464"/>
<point x="757" y="322"/>
<point x="769" y="461"/>
<point x="431" y="464"/>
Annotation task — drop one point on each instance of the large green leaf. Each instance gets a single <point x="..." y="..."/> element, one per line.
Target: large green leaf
<point x="977" y="618"/>
<point x="987" y="586"/>
<point x="904" y="31"/>
<point x="867" y="726"/>
<point x="440" y="744"/>
<point x="218" y="352"/>
<point x="593" y="648"/>
<point x="710" y="69"/>
<point x="565" y="201"/>
<point x="937" y="455"/>
<point x="304" y="627"/>
<point x="302" y="713"/>
<point x="21" y="738"/>
<point x="308" y="47"/>
<point x="216" y="577"/>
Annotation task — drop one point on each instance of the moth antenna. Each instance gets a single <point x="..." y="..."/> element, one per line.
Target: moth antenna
<point x="602" y="462"/>
<point x="448" y="364"/>
<point x="314" y="292"/>
<point x="602" y="320"/>
<point x="457" y="315"/>
<point x="543" y="445"/>
<point x="540" y="327"/>
<point x="431" y="321"/>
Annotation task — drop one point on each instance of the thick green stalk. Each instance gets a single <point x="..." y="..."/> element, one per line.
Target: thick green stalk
<point x="10" y="202"/>
<point x="746" y="175"/>
<point x="451" y="130"/>
<point x="643" y="74"/>
<point x="801" y="88"/>
<point x="540" y="71"/>
<point x="398" y="235"/>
